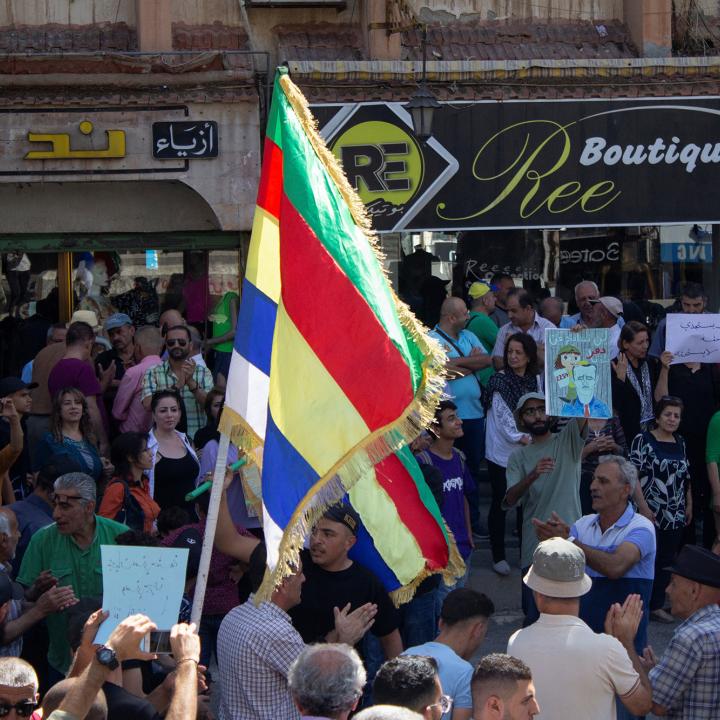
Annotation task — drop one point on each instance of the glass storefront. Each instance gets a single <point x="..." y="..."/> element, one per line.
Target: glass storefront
<point x="644" y="265"/>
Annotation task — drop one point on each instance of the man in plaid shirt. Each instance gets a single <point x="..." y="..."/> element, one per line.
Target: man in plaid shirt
<point x="257" y="645"/>
<point x="180" y="372"/>
<point x="686" y="680"/>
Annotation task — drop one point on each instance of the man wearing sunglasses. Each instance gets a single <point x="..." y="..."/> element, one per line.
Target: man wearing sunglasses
<point x="18" y="688"/>
<point x="543" y="477"/>
<point x="180" y="372"/>
<point x="70" y="550"/>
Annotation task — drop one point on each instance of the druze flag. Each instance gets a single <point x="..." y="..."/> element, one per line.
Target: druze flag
<point x="331" y="373"/>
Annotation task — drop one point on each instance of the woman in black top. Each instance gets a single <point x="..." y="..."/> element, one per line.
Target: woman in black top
<point x="634" y="379"/>
<point x="175" y="464"/>
<point x="663" y="493"/>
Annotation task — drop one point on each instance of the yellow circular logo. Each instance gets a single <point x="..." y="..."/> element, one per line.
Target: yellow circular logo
<point x="381" y="161"/>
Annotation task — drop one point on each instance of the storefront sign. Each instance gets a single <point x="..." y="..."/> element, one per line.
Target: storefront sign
<point x="537" y="164"/>
<point x="61" y="150"/>
<point x="173" y="140"/>
<point x="687" y="252"/>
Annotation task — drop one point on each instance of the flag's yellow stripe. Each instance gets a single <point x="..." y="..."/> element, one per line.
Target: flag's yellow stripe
<point x="392" y="538"/>
<point x="264" y="255"/>
<point x="301" y="388"/>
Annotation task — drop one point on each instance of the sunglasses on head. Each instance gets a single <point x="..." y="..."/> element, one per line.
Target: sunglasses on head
<point x="170" y="342"/>
<point x="24" y="709"/>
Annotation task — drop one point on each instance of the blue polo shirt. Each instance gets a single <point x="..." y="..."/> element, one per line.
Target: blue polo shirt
<point x="630" y="527"/>
<point x="465" y="391"/>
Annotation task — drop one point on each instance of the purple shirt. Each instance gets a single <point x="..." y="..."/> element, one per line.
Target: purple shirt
<point x="71" y="372"/>
<point x="456" y="477"/>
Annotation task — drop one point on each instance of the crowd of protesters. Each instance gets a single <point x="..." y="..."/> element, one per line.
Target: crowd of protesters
<point x="103" y="443"/>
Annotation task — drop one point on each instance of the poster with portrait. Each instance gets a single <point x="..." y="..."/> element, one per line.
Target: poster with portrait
<point x="577" y="373"/>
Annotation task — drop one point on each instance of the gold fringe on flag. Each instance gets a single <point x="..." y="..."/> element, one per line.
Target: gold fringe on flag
<point x="330" y="488"/>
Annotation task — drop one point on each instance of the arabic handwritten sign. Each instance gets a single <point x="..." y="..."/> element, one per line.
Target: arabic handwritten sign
<point x="183" y="139"/>
<point x="693" y="338"/>
<point x="144" y="580"/>
<point x="577" y="373"/>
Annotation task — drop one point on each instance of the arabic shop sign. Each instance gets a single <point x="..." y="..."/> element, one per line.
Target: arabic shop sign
<point x="537" y="164"/>
<point x="172" y="140"/>
<point x="131" y="140"/>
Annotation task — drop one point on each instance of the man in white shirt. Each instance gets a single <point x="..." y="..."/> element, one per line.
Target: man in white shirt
<point x="523" y="318"/>
<point x="577" y="672"/>
<point x="607" y="312"/>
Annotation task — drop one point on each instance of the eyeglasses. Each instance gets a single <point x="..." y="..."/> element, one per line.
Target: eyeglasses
<point x="538" y="410"/>
<point x="444" y="703"/>
<point x="170" y="342"/>
<point x="63" y="501"/>
<point x="24" y="709"/>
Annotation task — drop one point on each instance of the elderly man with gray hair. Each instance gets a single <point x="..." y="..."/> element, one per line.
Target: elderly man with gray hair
<point x="618" y="542"/>
<point x="67" y="553"/>
<point x="326" y="681"/>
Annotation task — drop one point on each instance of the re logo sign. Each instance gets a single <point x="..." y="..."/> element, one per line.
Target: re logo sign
<point x="381" y="161"/>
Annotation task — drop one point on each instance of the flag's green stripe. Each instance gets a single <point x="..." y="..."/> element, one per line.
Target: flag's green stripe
<point x="312" y="192"/>
<point x="274" y="129"/>
<point x="411" y="465"/>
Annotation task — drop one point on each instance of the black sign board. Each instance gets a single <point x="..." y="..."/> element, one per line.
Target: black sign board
<point x="184" y="139"/>
<point x="532" y="164"/>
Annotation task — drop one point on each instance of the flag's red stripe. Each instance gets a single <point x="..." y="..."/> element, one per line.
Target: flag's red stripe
<point x="394" y="478"/>
<point x="270" y="188"/>
<point x="339" y="325"/>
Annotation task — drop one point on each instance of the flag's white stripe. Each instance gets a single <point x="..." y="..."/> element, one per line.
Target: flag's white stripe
<point x="247" y="393"/>
<point x="273" y="536"/>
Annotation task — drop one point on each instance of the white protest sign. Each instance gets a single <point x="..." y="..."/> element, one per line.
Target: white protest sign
<point x="145" y="580"/>
<point x="693" y="338"/>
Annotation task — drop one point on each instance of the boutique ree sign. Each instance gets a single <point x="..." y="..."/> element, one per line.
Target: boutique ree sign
<point x="532" y="164"/>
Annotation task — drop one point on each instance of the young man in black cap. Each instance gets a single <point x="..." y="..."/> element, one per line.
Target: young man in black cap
<point x="19" y="392"/>
<point x="686" y="680"/>
<point x="333" y="580"/>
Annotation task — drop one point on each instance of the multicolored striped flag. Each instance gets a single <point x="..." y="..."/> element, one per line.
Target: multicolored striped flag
<point x="330" y="373"/>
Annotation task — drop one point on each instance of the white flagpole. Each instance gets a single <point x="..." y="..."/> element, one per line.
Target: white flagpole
<point x="210" y="525"/>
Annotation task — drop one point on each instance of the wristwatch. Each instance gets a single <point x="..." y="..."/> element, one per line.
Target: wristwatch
<point x="106" y="656"/>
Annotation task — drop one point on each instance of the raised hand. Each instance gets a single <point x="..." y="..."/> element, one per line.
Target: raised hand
<point x="620" y="366"/>
<point x="352" y="626"/>
<point x="125" y="638"/>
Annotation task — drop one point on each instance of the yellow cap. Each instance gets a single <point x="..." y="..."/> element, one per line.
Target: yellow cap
<point x="478" y="289"/>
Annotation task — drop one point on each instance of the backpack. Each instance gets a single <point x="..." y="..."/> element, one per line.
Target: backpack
<point x="130" y="514"/>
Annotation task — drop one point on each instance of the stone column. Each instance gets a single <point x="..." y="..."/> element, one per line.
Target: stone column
<point x="650" y="23"/>
<point x="154" y="25"/>
<point x="380" y="45"/>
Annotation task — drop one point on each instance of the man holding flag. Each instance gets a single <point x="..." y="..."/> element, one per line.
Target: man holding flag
<point x="298" y="402"/>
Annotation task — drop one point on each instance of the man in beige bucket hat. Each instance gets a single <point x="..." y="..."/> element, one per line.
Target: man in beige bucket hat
<point x="578" y="673"/>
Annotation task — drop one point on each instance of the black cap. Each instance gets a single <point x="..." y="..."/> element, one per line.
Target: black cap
<point x="191" y="539"/>
<point x="10" y="385"/>
<point x="345" y="514"/>
<point x="698" y="564"/>
<point x="9" y="590"/>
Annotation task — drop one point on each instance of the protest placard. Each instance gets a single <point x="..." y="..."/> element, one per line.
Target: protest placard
<point x="693" y="338"/>
<point x="145" y="580"/>
<point x="577" y="373"/>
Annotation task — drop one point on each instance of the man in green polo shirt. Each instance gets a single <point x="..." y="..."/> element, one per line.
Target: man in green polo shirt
<point x="70" y="550"/>
<point x="482" y="299"/>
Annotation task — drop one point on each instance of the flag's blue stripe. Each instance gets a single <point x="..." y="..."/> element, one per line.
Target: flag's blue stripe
<point x="255" y="328"/>
<point x="286" y="479"/>
<point x="286" y="476"/>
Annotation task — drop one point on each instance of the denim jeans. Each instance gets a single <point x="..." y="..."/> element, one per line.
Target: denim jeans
<point x="444" y="590"/>
<point x="528" y="601"/>
<point x="419" y="620"/>
<point x="472" y="443"/>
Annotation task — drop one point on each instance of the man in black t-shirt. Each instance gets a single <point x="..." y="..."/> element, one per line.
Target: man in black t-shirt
<point x="19" y="392"/>
<point x="333" y="580"/>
